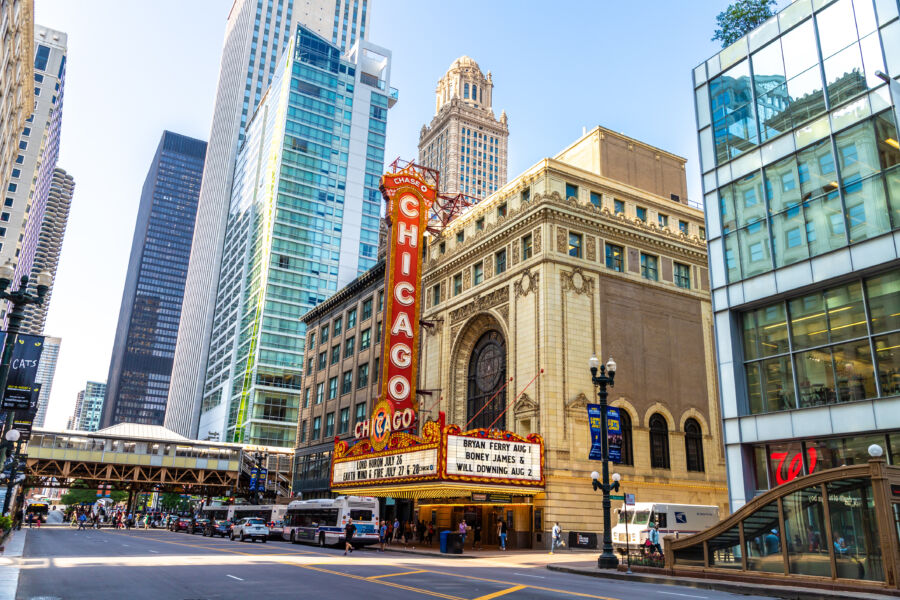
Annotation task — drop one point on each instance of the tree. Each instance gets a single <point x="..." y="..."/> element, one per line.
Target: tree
<point x="80" y="492"/>
<point x="741" y="18"/>
<point x="171" y="501"/>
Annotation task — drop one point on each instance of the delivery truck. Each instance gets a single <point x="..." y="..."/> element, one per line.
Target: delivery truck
<point x="670" y="519"/>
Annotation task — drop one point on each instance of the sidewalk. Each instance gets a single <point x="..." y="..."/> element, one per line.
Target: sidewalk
<point x="589" y="569"/>
<point x="9" y="564"/>
<point x="490" y="552"/>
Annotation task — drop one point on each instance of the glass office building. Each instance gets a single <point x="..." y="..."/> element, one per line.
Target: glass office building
<point x="304" y="219"/>
<point x="801" y="179"/>
<point x="144" y="347"/>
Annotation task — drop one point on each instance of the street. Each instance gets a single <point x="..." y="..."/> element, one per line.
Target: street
<point x="65" y="563"/>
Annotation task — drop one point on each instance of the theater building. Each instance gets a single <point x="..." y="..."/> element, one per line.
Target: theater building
<point x="595" y="250"/>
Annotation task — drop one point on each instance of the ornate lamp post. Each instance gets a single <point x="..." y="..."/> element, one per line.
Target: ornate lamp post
<point x="19" y="298"/>
<point x="607" y="560"/>
<point x="12" y="439"/>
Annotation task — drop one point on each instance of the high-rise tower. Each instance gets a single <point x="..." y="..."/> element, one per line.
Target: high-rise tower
<point x="465" y="141"/>
<point x="303" y="222"/>
<point x="141" y="362"/>
<point x="255" y="36"/>
<point x="45" y="372"/>
<point x="46" y="256"/>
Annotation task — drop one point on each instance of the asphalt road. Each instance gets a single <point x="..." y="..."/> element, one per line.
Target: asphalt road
<point x="68" y="564"/>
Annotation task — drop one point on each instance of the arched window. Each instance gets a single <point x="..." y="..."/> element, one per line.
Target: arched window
<point x="659" y="442"/>
<point x="627" y="450"/>
<point x="466" y="91"/>
<point x="474" y="92"/>
<point x="693" y="445"/>
<point x="487" y="374"/>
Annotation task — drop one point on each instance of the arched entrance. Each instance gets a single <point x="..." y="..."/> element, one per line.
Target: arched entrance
<point x="486" y="375"/>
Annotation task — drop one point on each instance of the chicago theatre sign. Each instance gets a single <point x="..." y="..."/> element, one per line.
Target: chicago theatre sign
<point x="442" y="458"/>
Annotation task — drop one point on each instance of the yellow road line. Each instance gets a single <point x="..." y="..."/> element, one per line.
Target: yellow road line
<point x="378" y="581"/>
<point x="397" y="574"/>
<point x="534" y="587"/>
<point x="514" y="588"/>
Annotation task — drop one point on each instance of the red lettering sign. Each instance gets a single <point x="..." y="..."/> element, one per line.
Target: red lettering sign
<point x="793" y="468"/>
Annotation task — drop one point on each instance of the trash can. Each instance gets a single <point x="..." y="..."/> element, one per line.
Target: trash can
<point x="444" y="535"/>
<point x="454" y="543"/>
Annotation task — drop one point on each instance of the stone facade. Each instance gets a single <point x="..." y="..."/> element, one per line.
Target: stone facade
<point x="465" y="141"/>
<point x="613" y="280"/>
<point x="17" y="83"/>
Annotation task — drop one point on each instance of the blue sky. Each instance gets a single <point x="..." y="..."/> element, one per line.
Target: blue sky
<point x="137" y="68"/>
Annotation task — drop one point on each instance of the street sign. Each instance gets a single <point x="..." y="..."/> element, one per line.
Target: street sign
<point x="629" y="499"/>
<point x="616" y="497"/>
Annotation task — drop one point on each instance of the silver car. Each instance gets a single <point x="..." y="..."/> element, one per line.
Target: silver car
<point x="253" y="528"/>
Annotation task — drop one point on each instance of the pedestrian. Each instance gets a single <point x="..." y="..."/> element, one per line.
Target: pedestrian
<point x="501" y="533"/>
<point x="462" y="531"/>
<point x="430" y="533"/>
<point x="653" y="538"/>
<point x="408" y="533"/>
<point x="349" y="530"/>
<point x="82" y="519"/>
<point x="382" y="534"/>
<point x="397" y="529"/>
<point x="556" y="537"/>
<point x="30" y="518"/>
<point x="476" y="536"/>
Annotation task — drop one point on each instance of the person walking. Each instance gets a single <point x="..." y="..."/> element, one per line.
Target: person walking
<point x="501" y="533"/>
<point x="463" y="531"/>
<point x="382" y="534"/>
<point x="82" y="520"/>
<point x="397" y="530"/>
<point x="30" y="518"/>
<point x="653" y="538"/>
<point x="349" y="530"/>
<point x="556" y="537"/>
<point x="430" y="533"/>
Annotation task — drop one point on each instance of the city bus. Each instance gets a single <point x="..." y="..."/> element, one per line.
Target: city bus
<point x="322" y="521"/>
<point x="214" y="512"/>
<point x="272" y="514"/>
<point x="39" y="508"/>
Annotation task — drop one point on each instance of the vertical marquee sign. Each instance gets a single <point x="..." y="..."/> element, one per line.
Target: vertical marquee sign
<point x="409" y="198"/>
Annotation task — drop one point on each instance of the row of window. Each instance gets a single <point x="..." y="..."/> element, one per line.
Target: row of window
<point x="337" y="326"/>
<point x="346" y="384"/>
<point x="659" y="442"/>
<point x="343" y="423"/>
<point x="365" y="342"/>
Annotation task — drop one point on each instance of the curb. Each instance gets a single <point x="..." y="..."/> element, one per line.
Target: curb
<point x="789" y="593"/>
<point x="374" y="548"/>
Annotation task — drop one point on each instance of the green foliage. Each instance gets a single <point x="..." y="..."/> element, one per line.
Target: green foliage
<point x="5" y="523"/>
<point x="80" y="492"/>
<point x="171" y="501"/>
<point x="740" y="18"/>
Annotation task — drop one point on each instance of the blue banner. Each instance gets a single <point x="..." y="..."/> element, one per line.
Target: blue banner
<point x="595" y="420"/>
<point x="614" y="434"/>
<point x="253" y="477"/>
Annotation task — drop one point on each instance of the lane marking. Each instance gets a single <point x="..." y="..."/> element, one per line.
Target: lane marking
<point x="514" y="588"/>
<point x="686" y="595"/>
<point x="233" y="577"/>
<point x="397" y="574"/>
<point x="534" y="587"/>
<point x="155" y="551"/>
<point x="527" y="575"/>
<point x="378" y="581"/>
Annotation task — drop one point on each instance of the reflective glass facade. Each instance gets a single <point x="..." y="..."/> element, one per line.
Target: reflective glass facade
<point x="801" y="179"/>
<point x="304" y="212"/>
<point x="144" y="347"/>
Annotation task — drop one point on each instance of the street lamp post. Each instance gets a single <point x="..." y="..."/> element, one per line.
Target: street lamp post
<point x="12" y="439"/>
<point x="606" y="560"/>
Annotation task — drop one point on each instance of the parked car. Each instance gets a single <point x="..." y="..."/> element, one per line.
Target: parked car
<point x="180" y="524"/>
<point x="214" y="528"/>
<point x="199" y="525"/>
<point x="250" y="527"/>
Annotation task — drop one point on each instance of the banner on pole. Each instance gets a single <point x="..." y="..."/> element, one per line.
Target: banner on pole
<point x="614" y="434"/>
<point x="595" y="420"/>
<point x="23" y="364"/>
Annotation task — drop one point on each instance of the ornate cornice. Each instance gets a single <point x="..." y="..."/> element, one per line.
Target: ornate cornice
<point x="479" y="304"/>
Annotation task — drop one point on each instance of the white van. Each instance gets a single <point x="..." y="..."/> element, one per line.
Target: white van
<point x="670" y="519"/>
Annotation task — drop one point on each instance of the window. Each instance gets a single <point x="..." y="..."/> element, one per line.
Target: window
<point x="380" y="301"/>
<point x="525" y="196"/>
<point x="332" y="388"/>
<point x="309" y="366"/>
<point x="312" y="341"/>
<point x="703" y="233"/>
<point x="596" y="199"/>
<point x="16" y="172"/>
<point x="615" y="257"/>
<point x="479" y="224"/>
<point x="501" y="211"/>
<point x="659" y="442"/>
<point x="335" y="354"/>
<point x="8" y="202"/>
<point x="4" y="217"/>
<point x="322" y="360"/>
<point x="575" y="245"/>
<point x="362" y="376"/>
<point x="365" y="339"/>
<point x="360" y="412"/>
<point x="336" y="328"/>
<point x="347" y="382"/>
<point x="500" y="261"/>
<point x="641" y="213"/>
<point x="693" y="445"/>
<point x="683" y="227"/>
<point x="682" y="276"/>
<point x="349" y="346"/>
<point x="367" y="309"/>
<point x="526" y="247"/>
<point x="329" y="425"/>
<point x="571" y="191"/>
<point x="306" y="396"/>
<point x="443" y="247"/>
<point x="345" y="420"/>
<point x="457" y="284"/>
<point x="618" y="207"/>
<point x="303" y="431"/>
<point x="320" y="393"/>
<point x="478" y="273"/>
<point x="436" y="294"/>
<point x="324" y="333"/>
<point x="663" y="220"/>
<point x="317" y="428"/>
<point x="351" y="319"/>
<point x="648" y="267"/>
<point x="627" y="448"/>
<point x="460" y="236"/>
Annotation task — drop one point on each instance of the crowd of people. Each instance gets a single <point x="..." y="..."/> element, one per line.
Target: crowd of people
<point x="84" y="517"/>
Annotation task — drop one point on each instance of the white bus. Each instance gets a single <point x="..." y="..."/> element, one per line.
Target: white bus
<point x="322" y="521"/>
<point x="272" y="514"/>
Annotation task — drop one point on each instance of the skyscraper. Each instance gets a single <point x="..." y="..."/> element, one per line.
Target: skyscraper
<point x="91" y="407"/>
<point x="255" y="36"/>
<point x="16" y="96"/>
<point x="141" y="363"/>
<point x="45" y="371"/>
<point x="465" y="141"/>
<point x="23" y="206"/>
<point x="801" y="171"/>
<point x="303" y="222"/>
<point x="72" y="421"/>
<point x="46" y="257"/>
